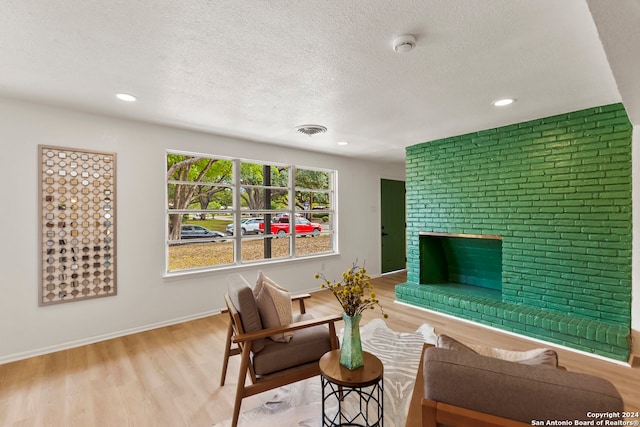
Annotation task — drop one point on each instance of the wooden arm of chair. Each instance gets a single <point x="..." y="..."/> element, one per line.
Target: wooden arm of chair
<point x="300" y="298"/>
<point x="264" y="333"/>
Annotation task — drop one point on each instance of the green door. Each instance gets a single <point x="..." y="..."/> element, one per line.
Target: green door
<point x="394" y="239"/>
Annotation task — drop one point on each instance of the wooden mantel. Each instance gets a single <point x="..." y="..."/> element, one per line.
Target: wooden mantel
<point x="468" y="236"/>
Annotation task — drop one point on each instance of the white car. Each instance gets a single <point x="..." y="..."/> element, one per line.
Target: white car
<point x="248" y="226"/>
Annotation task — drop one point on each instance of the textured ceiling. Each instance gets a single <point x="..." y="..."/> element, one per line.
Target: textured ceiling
<point x="256" y="69"/>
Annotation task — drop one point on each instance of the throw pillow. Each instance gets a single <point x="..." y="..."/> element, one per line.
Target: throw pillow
<point x="274" y="306"/>
<point x="445" y="341"/>
<point x="538" y="356"/>
<point x="242" y="298"/>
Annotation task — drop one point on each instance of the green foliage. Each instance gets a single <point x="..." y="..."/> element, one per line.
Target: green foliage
<point x="186" y="168"/>
<point x="255" y="198"/>
<point x="215" y="224"/>
<point x="199" y="169"/>
<point x="253" y="174"/>
<point x="354" y="291"/>
<point x="202" y="183"/>
<point x="313" y="180"/>
<point x="321" y="216"/>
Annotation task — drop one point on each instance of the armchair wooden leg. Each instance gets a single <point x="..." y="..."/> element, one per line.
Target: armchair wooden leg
<point x="236" y="411"/>
<point x="242" y="378"/>
<point x="429" y="413"/>
<point x="335" y="344"/>
<point x="227" y="351"/>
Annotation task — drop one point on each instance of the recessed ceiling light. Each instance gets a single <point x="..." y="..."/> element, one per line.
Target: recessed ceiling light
<point x="343" y="143"/>
<point x="504" y="102"/>
<point x="126" y="97"/>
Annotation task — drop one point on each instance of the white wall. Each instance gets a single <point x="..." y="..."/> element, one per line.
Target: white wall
<point x="145" y="297"/>
<point x="635" y="260"/>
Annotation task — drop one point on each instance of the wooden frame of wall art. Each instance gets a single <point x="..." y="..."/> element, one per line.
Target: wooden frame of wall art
<point x="77" y="206"/>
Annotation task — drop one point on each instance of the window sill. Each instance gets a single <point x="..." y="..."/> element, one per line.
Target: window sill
<point x="169" y="276"/>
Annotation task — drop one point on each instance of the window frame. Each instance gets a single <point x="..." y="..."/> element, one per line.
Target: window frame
<point x="238" y="213"/>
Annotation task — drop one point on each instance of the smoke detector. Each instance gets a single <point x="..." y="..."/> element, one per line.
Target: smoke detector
<point x="404" y="43"/>
<point x="311" y="130"/>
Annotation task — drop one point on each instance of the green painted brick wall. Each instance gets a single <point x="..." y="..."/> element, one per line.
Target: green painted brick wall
<point x="557" y="189"/>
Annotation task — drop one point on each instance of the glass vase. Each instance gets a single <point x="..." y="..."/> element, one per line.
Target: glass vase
<point x="351" y="350"/>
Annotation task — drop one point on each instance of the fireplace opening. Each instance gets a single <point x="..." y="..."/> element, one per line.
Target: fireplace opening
<point x="471" y="262"/>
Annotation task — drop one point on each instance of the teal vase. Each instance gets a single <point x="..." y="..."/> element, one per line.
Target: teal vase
<point x="351" y="350"/>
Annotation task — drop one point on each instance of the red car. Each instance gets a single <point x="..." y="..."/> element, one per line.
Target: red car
<point x="303" y="226"/>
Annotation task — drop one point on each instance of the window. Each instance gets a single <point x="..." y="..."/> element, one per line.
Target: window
<point x="223" y="212"/>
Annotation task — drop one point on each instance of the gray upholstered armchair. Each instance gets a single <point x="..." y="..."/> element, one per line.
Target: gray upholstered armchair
<point x="271" y="364"/>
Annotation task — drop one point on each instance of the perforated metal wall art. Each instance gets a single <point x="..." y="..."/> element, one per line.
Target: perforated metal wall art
<point x="77" y="224"/>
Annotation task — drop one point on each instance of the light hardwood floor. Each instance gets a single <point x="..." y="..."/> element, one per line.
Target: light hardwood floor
<point x="170" y="376"/>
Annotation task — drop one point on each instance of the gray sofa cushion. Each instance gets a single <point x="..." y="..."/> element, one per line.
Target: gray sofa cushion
<point x="512" y="390"/>
<point x="307" y="345"/>
<point x="241" y="296"/>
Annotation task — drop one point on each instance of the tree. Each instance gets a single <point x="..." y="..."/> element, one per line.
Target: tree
<point x="253" y="174"/>
<point x="310" y="179"/>
<point x="187" y="169"/>
<point x="196" y="180"/>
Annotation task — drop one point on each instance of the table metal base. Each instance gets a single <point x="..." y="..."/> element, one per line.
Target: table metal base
<point x="352" y="406"/>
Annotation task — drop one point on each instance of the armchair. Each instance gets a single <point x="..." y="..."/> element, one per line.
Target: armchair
<point x="270" y="364"/>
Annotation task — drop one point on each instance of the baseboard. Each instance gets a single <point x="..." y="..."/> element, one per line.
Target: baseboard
<point x="402" y="270"/>
<point x="584" y="353"/>
<point x="98" y="338"/>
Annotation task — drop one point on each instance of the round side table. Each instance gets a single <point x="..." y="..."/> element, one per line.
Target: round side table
<point x="351" y="398"/>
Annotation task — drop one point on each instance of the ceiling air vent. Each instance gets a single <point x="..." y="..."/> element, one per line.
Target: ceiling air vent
<point x="311" y="129"/>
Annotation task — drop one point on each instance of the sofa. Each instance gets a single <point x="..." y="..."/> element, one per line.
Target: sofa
<point x="468" y="389"/>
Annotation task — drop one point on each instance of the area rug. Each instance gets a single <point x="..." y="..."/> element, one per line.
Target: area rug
<point x="300" y="404"/>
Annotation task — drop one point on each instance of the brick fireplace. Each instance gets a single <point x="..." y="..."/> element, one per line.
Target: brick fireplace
<point x="548" y="202"/>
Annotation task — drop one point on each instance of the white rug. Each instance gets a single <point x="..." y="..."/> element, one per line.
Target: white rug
<point x="300" y="404"/>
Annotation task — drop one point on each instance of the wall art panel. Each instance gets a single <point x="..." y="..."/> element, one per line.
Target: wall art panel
<point x="77" y="224"/>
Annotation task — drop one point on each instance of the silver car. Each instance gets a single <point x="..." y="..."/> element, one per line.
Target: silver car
<point x="189" y="231"/>
<point x="248" y="226"/>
